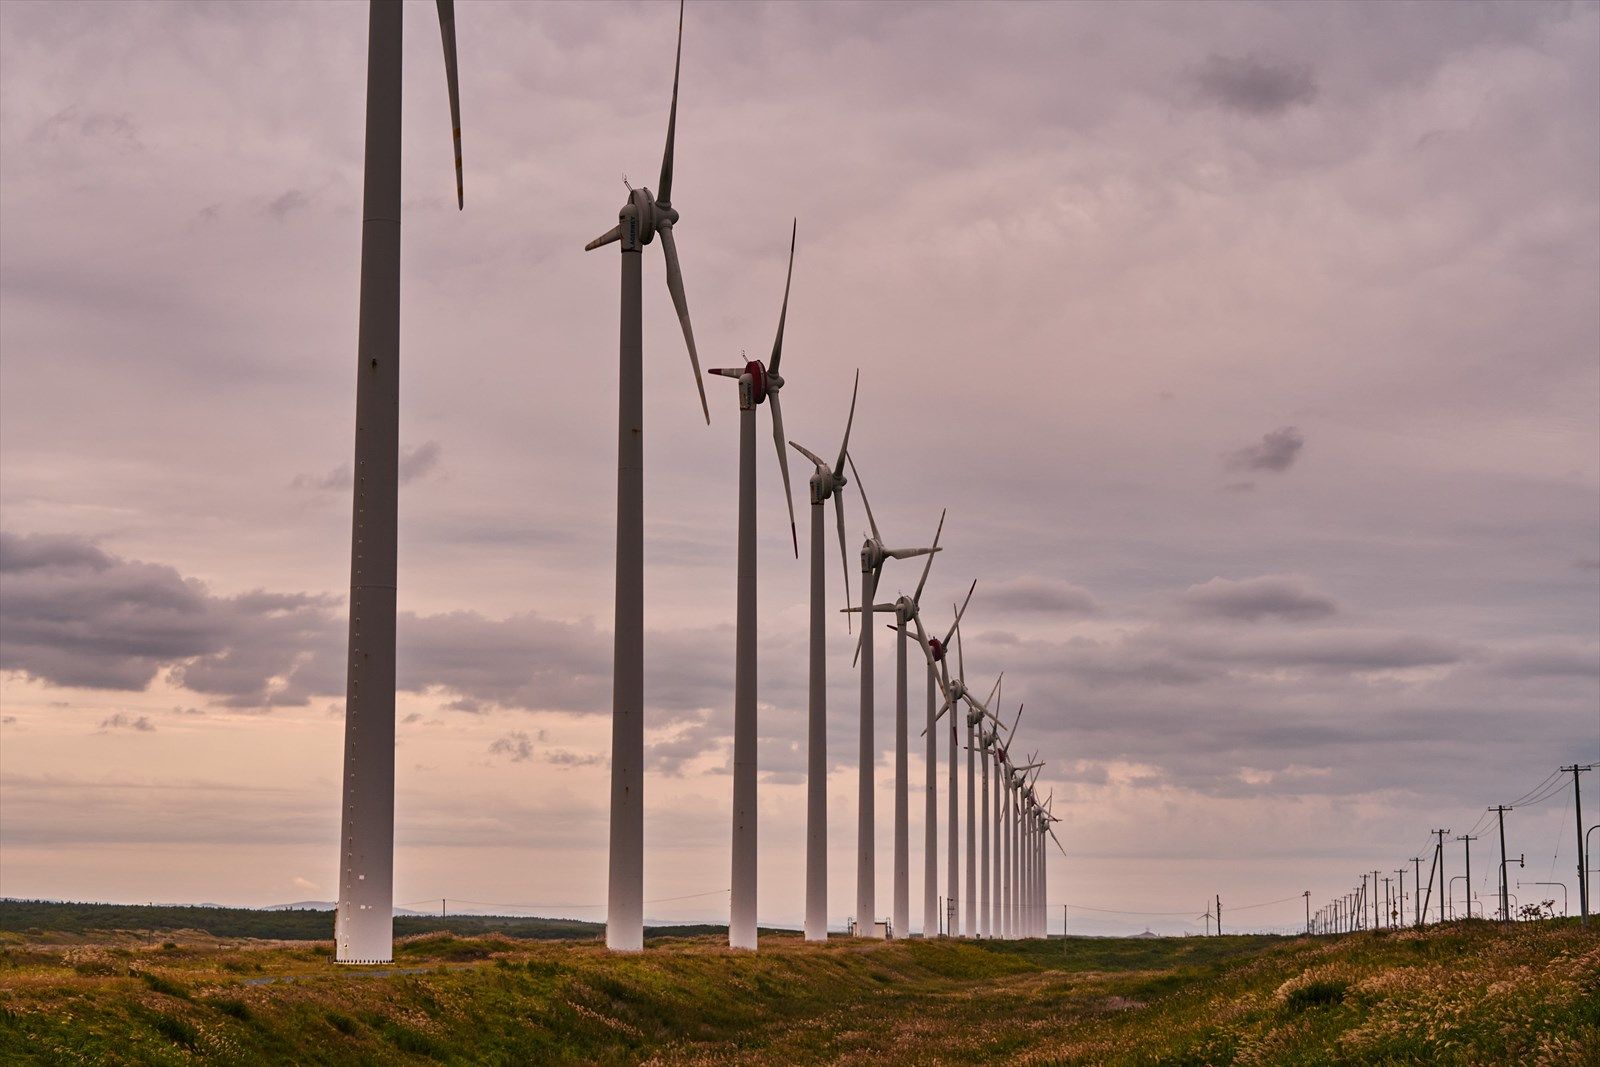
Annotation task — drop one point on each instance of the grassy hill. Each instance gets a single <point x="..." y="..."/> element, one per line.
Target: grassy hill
<point x="1467" y="993"/>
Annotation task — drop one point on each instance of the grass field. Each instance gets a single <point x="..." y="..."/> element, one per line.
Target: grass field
<point x="1465" y="993"/>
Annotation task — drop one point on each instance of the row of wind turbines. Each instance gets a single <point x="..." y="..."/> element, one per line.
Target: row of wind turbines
<point x="1005" y="870"/>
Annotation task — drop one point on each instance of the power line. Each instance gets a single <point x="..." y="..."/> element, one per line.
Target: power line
<point x="529" y="907"/>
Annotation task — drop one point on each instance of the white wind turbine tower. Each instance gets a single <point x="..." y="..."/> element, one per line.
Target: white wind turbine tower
<point x="955" y="690"/>
<point x="873" y="556"/>
<point x="826" y="482"/>
<point x="364" y="923"/>
<point x="1020" y="856"/>
<point x="640" y="220"/>
<point x="934" y="650"/>
<point x="1002" y="764"/>
<point x="1040" y="881"/>
<point x="1016" y="777"/>
<point x="976" y="713"/>
<point x="756" y="384"/>
<point x="988" y="749"/>
<point x="905" y="613"/>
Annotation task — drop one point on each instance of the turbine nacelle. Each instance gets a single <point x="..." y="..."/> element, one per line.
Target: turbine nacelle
<point x="873" y="555"/>
<point x="905" y="610"/>
<point x="756" y="383"/>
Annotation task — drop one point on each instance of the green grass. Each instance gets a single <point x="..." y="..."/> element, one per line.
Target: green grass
<point x="1463" y="994"/>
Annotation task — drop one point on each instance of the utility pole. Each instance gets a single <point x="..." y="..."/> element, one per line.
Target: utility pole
<point x="1577" y="807"/>
<point x="1388" y="901"/>
<point x="1443" y="885"/>
<point x="1505" y="896"/>
<point x="1467" y="844"/>
<point x="1400" y="897"/>
<point x="1416" y="891"/>
<point x="1219" y="914"/>
<point x="1307" y="895"/>
<point x="1377" y="920"/>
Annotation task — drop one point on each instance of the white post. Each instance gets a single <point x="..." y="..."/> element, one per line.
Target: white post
<point x="930" y="820"/>
<point x="970" y="911"/>
<point x="742" y="910"/>
<point x="985" y="926"/>
<point x="817" y="743"/>
<point x="902" y="815"/>
<point x="364" y="924"/>
<point x="866" y="890"/>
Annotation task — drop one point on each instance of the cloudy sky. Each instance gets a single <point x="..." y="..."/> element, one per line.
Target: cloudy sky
<point x="1254" y="349"/>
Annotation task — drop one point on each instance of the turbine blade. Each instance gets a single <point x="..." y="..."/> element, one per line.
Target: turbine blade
<point x="961" y="658"/>
<point x="910" y="553"/>
<point x="866" y="597"/>
<point x="783" y="315"/>
<point x="844" y="553"/>
<point x="995" y="689"/>
<point x="669" y="248"/>
<point x="783" y="465"/>
<point x="664" y="186"/>
<point x="917" y="596"/>
<point x="806" y="452"/>
<point x="957" y="624"/>
<point x="447" y="31"/>
<point x="613" y="234"/>
<point x="844" y="446"/>
<point x="873" y="523"/>
<point x="1013" y="731"/>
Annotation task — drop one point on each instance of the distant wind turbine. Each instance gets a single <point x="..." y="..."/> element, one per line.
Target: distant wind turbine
<point x="757" y="383"/>
<point x="873" y="556"/>
<point x="364" y="922"/>
<point x="826" y="482"/>
<point x="905" y="613"/>
<point x="640" y="220"/>
<point x="955" y="690"/>
<point x="938" y="677"/>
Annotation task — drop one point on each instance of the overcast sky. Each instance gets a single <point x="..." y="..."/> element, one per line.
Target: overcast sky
<point x="1254" y="350"/>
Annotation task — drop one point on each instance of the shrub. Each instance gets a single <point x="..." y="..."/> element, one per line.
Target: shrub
<point x="1318" y="994"/>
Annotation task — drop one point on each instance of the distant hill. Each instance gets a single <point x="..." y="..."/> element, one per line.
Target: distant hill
<point x="306" y="921"/>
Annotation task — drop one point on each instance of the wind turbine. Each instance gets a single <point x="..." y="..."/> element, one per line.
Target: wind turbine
<point x="640" y="220"/>
<point x="938" y="677"/>
<point x="364" y="923"/>
<point x="956" y="691"/>
<point x="757" y="383"/>
<point x="826" y="482"/>
<point x="1002" y="763"/>
<point x="988" y="749"/>
<point x="976" y="713"/>
<point x="873" y="556"/>
<point x="905" y="613"/>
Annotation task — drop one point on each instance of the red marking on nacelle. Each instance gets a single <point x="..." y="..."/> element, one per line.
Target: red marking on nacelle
<point x="937" y="648"/>
<point x="758" y="380"/>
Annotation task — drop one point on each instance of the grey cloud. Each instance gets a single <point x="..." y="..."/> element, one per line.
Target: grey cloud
<point x="1254" y="85"/>
<point x="281" y="207"/>
<point x="415" y="463"/>
<point x="1276" y="451"/>
<point x="419" y="461"/>
<point x="76" y="123"/>
<point x="516" y="744"/>
<point x="1286" y="596"/>
<point x="74" y="615"/>
<point x="124" y="721"/>
<point x="338" y="478"/>
<point x="1041" y="594"/>
<point x="1344" y="651"/>
<point x="1559" y="658"/>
